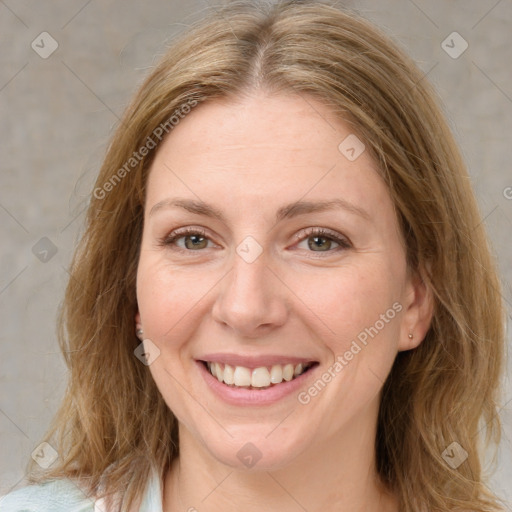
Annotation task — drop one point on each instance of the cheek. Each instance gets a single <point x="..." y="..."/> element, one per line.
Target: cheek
<point x="156" y="297"/>
<point x="356" y="303"/>
<point x="170" y="298"/>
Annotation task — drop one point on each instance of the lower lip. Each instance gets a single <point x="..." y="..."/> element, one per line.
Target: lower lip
<point x="242" y="396"/>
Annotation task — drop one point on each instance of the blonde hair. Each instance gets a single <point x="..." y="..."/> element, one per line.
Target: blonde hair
<point x="113" y="425"/>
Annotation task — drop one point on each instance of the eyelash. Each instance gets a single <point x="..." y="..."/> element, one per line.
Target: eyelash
<point x="325" y="233"/>
<point x="307" y="233"/>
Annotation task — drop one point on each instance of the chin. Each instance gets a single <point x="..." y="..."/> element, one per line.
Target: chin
<point x="254" y="450"/>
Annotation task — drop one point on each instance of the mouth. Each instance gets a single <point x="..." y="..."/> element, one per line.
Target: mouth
<point x="260" y="378"/>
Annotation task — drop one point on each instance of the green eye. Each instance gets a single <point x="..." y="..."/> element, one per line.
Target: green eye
<point x="321" y="240"/>
<point x="194" y="239"/>
<point x="318" y="240"/>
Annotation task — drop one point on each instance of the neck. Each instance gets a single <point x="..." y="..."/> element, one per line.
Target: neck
<point x="337" y="474"/>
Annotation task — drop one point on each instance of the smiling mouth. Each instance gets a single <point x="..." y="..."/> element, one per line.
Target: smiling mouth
<point x="257" y="378"/>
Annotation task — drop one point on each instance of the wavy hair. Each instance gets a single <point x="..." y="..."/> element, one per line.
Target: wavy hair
<point x="113" y="425"/>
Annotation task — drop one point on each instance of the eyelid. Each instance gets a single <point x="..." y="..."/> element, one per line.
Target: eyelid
<point x="329" y="233"/>
<point x="343" y="242"/>
<point x="175" y="234"/>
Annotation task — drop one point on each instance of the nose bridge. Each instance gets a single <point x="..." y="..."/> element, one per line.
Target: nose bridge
<point x="251" y="297"/>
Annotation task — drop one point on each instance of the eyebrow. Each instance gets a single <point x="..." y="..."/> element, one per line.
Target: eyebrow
<point x="285" y="212"/>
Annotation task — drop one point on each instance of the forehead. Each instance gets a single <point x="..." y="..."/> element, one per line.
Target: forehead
<point x="260" y="149"/>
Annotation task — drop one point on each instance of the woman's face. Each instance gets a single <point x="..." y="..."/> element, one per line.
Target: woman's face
<point x="294" y="256"/>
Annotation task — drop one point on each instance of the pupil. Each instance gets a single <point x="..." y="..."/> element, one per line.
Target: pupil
<point x="196" y="240"/>
<point x="315" y="244"/>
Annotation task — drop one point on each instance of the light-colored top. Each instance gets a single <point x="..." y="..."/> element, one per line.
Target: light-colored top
<point x="63" y="495"/>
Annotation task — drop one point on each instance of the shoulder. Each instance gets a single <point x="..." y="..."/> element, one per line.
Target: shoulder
<point x="61" y="495"/>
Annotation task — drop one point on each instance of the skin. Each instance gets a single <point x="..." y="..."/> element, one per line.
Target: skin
<point x="248" y="159"/>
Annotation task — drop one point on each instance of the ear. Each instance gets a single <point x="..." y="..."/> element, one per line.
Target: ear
<point x="419" y="308"/>
<point x="138" y="327"/>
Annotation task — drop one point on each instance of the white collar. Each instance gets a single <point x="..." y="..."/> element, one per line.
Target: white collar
<point x="151" y="499"/>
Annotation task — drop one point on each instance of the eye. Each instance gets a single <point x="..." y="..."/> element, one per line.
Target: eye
<point x="318" y="239"/>
<point x="321" y="240"/>
<point x="194" y="239"/>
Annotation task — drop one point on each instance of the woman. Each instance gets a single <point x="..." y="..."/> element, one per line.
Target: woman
<point x="284" y="298"/>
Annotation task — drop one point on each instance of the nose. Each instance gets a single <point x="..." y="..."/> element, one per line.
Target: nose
<point x="251" y="299"/>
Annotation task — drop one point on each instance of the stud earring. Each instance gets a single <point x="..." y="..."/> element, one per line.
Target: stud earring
<point x="139" y="332"/>
<point x="411" y="336"/>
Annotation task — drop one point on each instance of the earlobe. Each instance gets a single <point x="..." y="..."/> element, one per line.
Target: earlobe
<point x="138" y="326"/>
<point x="418" y="315"/>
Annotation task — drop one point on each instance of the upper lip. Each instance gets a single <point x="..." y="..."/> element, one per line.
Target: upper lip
<point x="254" y="361"/>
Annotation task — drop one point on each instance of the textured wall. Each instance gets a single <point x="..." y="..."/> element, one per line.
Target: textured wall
<point x="56" y="116"/>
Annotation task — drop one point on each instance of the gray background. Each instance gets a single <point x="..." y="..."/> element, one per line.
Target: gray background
<point x="56" y="117"/>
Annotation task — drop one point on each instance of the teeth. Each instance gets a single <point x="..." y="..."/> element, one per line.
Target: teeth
<point x="242" y="376"/>
<point x="229" y="374"/>
<point x="276" y="374"/>
<point x="288" y="372"/>
<point x="261" y="377"/>
<point x="219" y="372"/>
